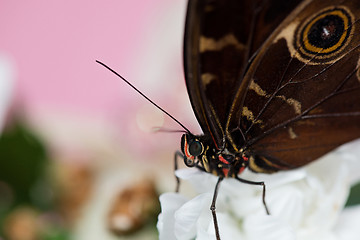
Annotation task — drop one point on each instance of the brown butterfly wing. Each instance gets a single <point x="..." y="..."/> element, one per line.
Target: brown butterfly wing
<point x="301" y="98"/>
<point x="220" y="38"/>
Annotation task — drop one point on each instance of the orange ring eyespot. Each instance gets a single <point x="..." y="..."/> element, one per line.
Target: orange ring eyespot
<point x="325" y="34"/>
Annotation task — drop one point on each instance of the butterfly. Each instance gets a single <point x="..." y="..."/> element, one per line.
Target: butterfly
<point x="274" y="84"/>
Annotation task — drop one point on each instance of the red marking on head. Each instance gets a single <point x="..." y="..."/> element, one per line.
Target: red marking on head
<point x="245" y="158"/>
<point x="222" y="159"/>
<point x="241" y="170"/>
<point x="187" y="154"/>
<point x="225" y="171"/>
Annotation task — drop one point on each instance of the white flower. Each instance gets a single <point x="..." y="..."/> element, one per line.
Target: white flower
<point x="6" y="85"/>
<point x="306" y="203"/>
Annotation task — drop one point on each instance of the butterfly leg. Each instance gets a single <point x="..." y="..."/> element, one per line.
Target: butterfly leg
<point x="263" y="192"/>
<point x="213" y="208"/>
<point x="177" y="155"/>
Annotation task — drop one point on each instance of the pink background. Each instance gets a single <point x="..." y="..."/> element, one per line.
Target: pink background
<point x="53" y="46"/>
<point x="85" y="114"/>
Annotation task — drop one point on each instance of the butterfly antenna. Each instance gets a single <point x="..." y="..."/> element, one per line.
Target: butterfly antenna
<point x="153" y="103"/>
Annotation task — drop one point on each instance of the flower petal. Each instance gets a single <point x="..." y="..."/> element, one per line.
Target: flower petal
<point x="349" y="154"/>
<point x="6" y="86"/>
<point x="347" y="227"/>
<point x="305" y="203"/>
<point x="201" y="181"/>
<point x="229" y="228"/>
<point x="170" y="203"/>
<point x="187" y="216"/>
<point x="267" y="227"/>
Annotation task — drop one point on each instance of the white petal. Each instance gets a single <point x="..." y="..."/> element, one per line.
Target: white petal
<point x="244" y="206"/>
<point x="201" y="181"/>
<point x="304" y="203"/>
<point x="170" y="203"/>
<point x="187" y="173"/>
<point x="187" y="216"/>
<point x="204" y="235"/>
<point x="349" y="154"/>
<point x="235" y="188"/>
<point x="6" y="86"/>
<point x="313" y="234"/>
<point x="229" y="228"/>
<point x="275" y="179"/>
<point x="347" y="227"/>
<point x="327" y="195"/>
<point x="287" y="203"/>
<point x="267" y="228"/>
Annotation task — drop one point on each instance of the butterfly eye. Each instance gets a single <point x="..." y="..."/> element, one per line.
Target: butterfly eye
<point x="195" y="148"/>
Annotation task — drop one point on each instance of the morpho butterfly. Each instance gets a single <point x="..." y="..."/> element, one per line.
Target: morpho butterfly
<point x="274" y="84"/>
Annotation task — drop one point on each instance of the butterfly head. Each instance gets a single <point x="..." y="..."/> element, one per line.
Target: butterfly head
<point x="192" y="147"/>
<point x="202" y="153"/>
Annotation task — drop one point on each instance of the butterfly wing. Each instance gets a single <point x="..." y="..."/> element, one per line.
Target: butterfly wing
<point x="300" y="97"/>
<point x="220" y="38"/>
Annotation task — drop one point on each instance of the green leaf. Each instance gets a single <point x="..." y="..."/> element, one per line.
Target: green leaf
<point x="354" y="197"/>
<point x="23" y="160"/>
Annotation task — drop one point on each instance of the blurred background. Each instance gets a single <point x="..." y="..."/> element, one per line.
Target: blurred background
<point x="79" y="158"/>
<point x="77" y="148"/>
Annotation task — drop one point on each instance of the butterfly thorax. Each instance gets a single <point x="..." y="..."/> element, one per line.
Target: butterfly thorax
<point x="201" y="152"/>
